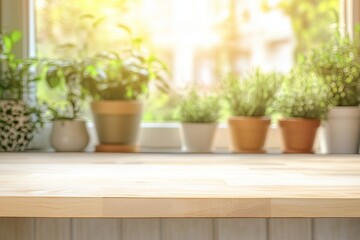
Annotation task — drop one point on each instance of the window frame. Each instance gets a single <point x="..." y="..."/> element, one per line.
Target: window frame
<point x="19" y="15"/>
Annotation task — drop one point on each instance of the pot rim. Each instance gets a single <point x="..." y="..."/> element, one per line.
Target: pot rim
<point x="68" y="120"/>
<point x="199" y="123"/>
<point x="299" y="119"/>
<point x="261" y="118"/>
<point x="117" y="107"/>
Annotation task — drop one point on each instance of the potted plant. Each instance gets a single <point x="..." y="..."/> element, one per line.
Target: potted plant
<point x="198" y="115"/>
<point x="69" y="133"/>
<point x="303" y="103"/>
<point x="249" y="98"/>
<point x="18" y="119"/>
<point x="337" y="63"/>
<point x="117" y="106"/>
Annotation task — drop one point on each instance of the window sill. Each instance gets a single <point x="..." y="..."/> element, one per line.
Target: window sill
<point x="166" y="137"/>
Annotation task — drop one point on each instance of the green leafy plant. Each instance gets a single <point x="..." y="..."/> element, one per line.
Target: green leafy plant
<point x="16" y="75"/>
<point x="68" y="76"/>
<point x="253" y="94"/>
<point x="302" y="95"/>
<point x="337" y="63"/>
<point x="126" y="75"/>
<point x="196" y="108"/>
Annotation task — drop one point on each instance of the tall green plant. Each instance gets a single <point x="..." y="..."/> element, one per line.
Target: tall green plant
<point x="252" y="94"/>
<point x="302" y="95"/>
<point x="337" y="63"/>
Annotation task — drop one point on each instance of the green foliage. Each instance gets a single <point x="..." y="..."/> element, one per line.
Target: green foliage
<point x="68" y="75"/>
<point x="16" y="75"/>
<point x="302" y="95"/>
<point x="311" y="20"/>
<point x="253" y="94"/>
<point x="127" y="75"/>
<point x="337" y="63"/>
<point x="196" y="108"/>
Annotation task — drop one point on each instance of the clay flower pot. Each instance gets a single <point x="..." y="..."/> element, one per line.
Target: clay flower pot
<point x="248" y="133"/>
<point x="299" y="134"/>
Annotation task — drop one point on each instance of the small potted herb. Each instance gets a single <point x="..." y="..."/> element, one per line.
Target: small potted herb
<point x="198" y="115"/>
<point x="117" y="106"/>
<point x="69" y="132"/>
<point x="249" y="98"/>
<point x="337" y="63"/>
<point x="303" y="103"/>
<point x="18" y="119"/>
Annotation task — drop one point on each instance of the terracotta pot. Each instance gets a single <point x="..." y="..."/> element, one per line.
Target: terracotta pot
<point x="299" y="134"/>
<point x="248" y="133"/>
<point x="117" y="122"/>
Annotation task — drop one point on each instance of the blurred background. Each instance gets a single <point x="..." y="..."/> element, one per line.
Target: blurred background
<point x="200" y="41"/>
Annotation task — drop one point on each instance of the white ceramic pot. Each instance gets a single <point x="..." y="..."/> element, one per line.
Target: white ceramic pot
<point x="198" y="137"/>
<point x="342" y="130"/>
<point x="69" y="135"/>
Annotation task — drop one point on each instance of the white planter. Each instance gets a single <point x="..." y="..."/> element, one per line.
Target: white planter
<point x="198" y="137"/>
<point x="342" y="130"/>
<point x="69" y="136"/>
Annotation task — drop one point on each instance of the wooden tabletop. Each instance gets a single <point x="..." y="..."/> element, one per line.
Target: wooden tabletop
<point x="178" y="185"/>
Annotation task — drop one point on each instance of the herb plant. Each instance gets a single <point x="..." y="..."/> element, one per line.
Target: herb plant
<point x="253" y="94"/>
<point x="196" y="108"/>
<point x="302" y="95"/>
<point x="337" y="63"/>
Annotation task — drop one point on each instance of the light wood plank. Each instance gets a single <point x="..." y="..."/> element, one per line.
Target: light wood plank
<point x="63" y="207"/>
<point x="337" y="229"/>
<point x="53" y="229"/>
<point x="185" y="207"/>
<point x="290" y="229"/>
<point x="312" y="208"/>
<point x="95" y="229"/>
<point x="187" y="229"/>
<point x="165" y="185"/>
<point x="140" y="229"/>
<point x="17" y="229"/>
<point x="241" y="229"/>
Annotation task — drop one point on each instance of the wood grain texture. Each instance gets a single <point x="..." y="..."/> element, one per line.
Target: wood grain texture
<point x="95" y="229"/>
<point x="290" y="229"/>
<point x="187" y="229"/>
<point x="180" y="207"/>
<point x="336" y="229"/>
<point x="241" y="229"/>
<point x="17" y="229"/>
<point x="178" y="185"/>
<point x="308" y="207"/>
<point x="140" y="229"/>
<point x="53" y="229"/>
